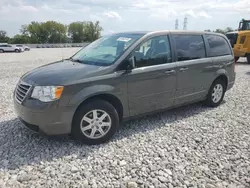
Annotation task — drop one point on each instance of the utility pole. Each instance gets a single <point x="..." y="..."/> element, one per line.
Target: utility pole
<point x="185" y="23"/>
<point x="176" y="24"/>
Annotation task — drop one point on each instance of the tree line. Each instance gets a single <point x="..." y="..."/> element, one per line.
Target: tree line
<point x="222" y="31"/>
<point x="54" y="32"/>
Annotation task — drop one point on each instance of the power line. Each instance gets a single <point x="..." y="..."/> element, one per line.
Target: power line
<point x="176" y="24"/>
<point x="185" y="23"/>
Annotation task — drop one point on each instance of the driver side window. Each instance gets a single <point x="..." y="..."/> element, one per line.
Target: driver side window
<point x="154" y="51"/>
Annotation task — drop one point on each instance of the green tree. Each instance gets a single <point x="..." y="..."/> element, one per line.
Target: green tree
<point x="84" y="31"/>
<point x="229" y="29"/>
<point x="76" y="31"/>
<point x="208" y="30"/>
<point x="19" y="39"/>
<point x="92" y="31"/>
<point x="3" y="36"/>
<point x="35" y="32"/>
<point x="56" y="32"/>
<point x="45" y="32"/>
<point x="220" y="31"/>
<point x="24" y="30"/>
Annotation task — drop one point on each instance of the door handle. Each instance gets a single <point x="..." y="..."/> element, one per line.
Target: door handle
<point x="170" y="71"/>
<point x="183" y="69"/>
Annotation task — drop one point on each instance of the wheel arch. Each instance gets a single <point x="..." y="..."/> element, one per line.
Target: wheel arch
<point x="104" y="93"/>
<point x="222" y="77"/>
<point x="112" y="99"/>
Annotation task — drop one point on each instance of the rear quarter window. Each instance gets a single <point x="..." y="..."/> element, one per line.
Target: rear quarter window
<point x="218" y="46"/>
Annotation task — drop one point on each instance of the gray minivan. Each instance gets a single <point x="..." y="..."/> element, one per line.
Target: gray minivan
<point x="121" y="76"/>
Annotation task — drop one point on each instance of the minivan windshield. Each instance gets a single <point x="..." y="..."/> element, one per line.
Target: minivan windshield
<point x="105" y="50"/>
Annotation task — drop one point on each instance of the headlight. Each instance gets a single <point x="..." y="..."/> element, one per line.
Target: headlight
<point x="47" y="93"/>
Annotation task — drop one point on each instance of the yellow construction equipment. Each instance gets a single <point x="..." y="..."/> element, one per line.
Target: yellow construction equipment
<point x="240" y="40"/>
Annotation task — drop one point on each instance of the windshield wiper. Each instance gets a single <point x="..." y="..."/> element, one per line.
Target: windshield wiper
<point x="75" y="60"/>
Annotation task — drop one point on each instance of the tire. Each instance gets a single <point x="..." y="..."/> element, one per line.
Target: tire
<point x="84" y="118"/>
<point x="16" y="50"/>
<point x="236" y="59"/>
<point x="248" y="59"/>
<point x="213" y="101"/>
<point x="1" y="51"/>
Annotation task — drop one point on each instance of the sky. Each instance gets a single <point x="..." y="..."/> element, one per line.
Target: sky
<point x="126" y="15"/>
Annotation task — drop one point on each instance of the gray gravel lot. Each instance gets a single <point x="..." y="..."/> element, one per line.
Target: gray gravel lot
<point x="192" y="146"/>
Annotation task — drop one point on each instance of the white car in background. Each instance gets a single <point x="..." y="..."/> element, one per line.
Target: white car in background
<point x="26" y="48"/>
<point x="5" y="47"/>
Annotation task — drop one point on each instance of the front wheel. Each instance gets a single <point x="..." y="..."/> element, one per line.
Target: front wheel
<point x="1" y="51"/>
<point x="16" y="50"/>
<point x="95" y="122"/>
<point x="216" y="93"/>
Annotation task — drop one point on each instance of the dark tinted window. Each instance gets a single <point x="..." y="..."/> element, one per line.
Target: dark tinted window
<point x="232" y="37"/>
<point x="218" y="46"/>
<point x="154" y="51"/>
<point x="189" y="47"/>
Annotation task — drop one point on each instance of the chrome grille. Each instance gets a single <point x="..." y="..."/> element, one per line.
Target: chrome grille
<point x="21" y="91"/>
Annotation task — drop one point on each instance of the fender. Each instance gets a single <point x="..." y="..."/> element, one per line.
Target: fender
<point x="221" y="72"/>
<point x="90" y="91"/>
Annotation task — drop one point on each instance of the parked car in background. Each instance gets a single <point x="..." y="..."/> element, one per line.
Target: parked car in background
<point x="5" y="47"/>
<point x="122" y="76"/>
<point x="26" y="48"/>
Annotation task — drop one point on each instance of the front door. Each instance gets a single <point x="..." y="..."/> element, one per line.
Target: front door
<point x="152" y="84"/>
<point x="9" y="48"/>
<point x="194" y="69"/>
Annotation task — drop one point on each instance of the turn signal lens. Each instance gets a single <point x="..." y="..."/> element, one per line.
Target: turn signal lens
<point x="58" y="92"/>
<point x="47" y="93"/>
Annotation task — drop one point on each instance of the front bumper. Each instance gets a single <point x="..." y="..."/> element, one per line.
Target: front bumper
<point x="47" y="118"/>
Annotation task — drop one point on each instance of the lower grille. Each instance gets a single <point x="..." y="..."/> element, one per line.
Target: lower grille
<point x="21" y="91"/>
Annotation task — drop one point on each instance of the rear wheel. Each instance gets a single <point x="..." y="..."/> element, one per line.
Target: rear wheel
<point x="248" y="59"/>
<point x="216" y="93"/>
<point x="95" y="122"/>
<point x="16" y="50"/>
<point x="1" y="51"/>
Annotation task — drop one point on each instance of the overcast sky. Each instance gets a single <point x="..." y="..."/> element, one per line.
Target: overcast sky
<point x="117" y="15"/>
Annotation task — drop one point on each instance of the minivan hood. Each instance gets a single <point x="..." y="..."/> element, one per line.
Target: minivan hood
<point x="61" y="73"/>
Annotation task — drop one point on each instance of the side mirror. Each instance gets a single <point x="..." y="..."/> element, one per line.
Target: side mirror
<point x="131" y="63"/>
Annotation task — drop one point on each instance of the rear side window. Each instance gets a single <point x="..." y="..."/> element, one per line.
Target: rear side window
<point x="218" y="46"/>
<point x="189" y="47"/>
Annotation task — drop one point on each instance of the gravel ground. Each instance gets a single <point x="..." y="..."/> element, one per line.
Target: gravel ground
<point x="192" y="146"/>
